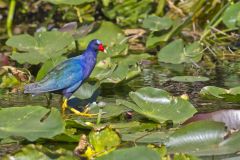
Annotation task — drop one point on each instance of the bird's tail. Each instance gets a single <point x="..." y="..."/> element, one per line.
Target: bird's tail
<point x="32" y="88"/>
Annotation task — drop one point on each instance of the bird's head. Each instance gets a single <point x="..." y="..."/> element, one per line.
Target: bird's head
<point x="96" y="45"/>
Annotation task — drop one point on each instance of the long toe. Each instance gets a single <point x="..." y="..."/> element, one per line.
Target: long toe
<point x="84" y="114"/>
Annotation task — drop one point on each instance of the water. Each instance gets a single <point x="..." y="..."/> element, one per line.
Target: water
<point x="153" y="74"/>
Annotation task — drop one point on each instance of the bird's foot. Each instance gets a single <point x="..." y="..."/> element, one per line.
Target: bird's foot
<point x="84" y="113"/>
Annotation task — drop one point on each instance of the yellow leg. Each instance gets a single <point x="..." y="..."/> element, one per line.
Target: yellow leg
<point x="84" y="113"/>
<point x="64" y="106"/>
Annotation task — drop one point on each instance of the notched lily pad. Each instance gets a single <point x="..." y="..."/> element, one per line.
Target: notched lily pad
<point x="159" y="105"/>
<point x="176" y="52"/>
<point x="40" y="48"/>
<point x="25" y="122"/>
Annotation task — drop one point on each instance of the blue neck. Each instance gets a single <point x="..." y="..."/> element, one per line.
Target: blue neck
<point x="90" y="52"/>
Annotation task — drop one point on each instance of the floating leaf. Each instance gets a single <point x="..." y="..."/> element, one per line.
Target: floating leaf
<point x="118" y="69"/>
<point x="28" y="153"/>
<point x="86" y="90"/>
<point x="139" y="152"/>
<point x="159" y="105"/>
<point x="109" y="110"/>
<point x="103" y="141"/>
<point x="25" y="122"/>
<point x="231" y="16"/>
<point x="155" y="23"/>
<point x="108" y="34"/>
<point x="40" y="48"/>
<point x="203" y="138"/>
<point x="189" y="78"/>
<point x="32" y="152"/>
<point x="155" y="39"/>
<point x="230" y="117"/>
<point x="176" y="53"/>
<point x="146" y="137"/>
<point x="230" y="95"/>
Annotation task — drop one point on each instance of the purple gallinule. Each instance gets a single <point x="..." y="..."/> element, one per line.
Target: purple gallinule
<point x="69" y="75"/>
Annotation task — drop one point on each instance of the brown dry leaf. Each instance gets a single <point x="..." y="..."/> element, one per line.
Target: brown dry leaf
<point x="21" y="75"/>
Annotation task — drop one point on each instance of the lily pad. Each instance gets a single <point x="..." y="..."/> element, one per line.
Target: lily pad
<point x="229" y="95"/>
<point x="109" y="110"/>
<point x="139" y="152"/>
<point x="146" y="137"/>
<point x="155" y="39"/>
<point x="32" y="152"/>
<point x="176" y="53"/>
<point x="104" y="141"/>
<point x="40" y="48"/>
<point x="108" y="33"/>
<point x="159" y="105"/>
<point x="155" y="23"/>
<point x="86" y="90"/>
<point x="189" y="78"/>
<point x="26" y="122"/>
<point x="118" y="69"/>
<point x="231" y="16"/>
<point x="203" y="138"/>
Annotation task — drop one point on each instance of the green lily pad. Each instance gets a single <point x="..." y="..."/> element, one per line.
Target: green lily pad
<point x="118" y="69"/>
<point x="32" y="152"/>
<point x="104" y="141"/>
<point x="69" y="2"/>
<point x="159" y="105"/>
<point x="86" y="90"/>
<point x="109" y="110"/>
<point x="176" y="53"/>
<point x="203" y="138"/>
<point x="231" y="16"/>
<point x="146" y="137"/>
<point x="70" y="135"/>
<point x="189" y="78"/>
<point x="156" y="39"/>
<point x="155" y="23"/>
<point x="40" y="48"/>
<point x="25" y="122"/>
<point x="139" y="152"/>
<point x="229" y="95"/>
<point x="108" y="34"/>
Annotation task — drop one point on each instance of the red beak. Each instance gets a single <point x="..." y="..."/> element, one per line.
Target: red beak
<point x="101" y="48"/>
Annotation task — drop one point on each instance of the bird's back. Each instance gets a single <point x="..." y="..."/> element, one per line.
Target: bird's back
<point x="61" y="77"/>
